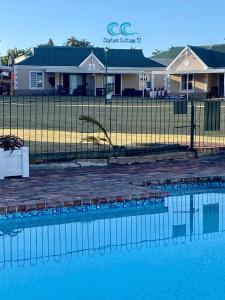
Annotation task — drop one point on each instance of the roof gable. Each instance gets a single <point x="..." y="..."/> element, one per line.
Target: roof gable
<point x="213" y="56"/>
<point x="91" y="63"/>
<point x="187" y="61"/>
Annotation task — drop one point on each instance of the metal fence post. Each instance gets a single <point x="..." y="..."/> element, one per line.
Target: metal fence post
<point x="192" y="132"/>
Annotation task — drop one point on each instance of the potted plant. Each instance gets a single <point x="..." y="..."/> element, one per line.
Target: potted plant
<point x="14" y="157"/>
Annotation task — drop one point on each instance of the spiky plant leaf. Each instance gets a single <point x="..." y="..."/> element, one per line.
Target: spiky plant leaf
<point x="92" y="139"/>
<point x="95" y="122"/>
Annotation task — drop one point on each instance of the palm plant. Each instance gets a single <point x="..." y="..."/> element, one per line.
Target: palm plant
<point x="15" y="52"/>
<point x="72" y="42"/>
<point x="84" y="43"/>
<point x="96" y="140"/>
<point x="156" y="52"/>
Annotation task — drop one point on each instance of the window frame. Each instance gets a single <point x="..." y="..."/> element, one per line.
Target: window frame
<point x="110" y="84"/>
<point x="36" y="88"/>
<point x="181" y="84"/>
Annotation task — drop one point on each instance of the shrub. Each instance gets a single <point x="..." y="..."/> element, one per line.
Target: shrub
<point x="10" y="142"/>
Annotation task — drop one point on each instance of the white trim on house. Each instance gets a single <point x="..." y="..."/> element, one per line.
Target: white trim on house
<point x="76" y="69"/>
<point x="15" y="79"/>
<point x="183" y="52"/>
<point x="91" y="56"/>
<point x="43" y="81"/>
<point x="208" y="71"/>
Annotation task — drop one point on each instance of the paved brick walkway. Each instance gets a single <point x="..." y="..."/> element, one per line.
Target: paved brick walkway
<point x="66" y="185"/>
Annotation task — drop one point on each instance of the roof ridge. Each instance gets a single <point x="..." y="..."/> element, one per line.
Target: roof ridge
<point x="88" y="48"/>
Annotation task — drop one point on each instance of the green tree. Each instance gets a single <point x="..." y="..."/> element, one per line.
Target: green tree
<point x="13" y="54"/>
<point x="50" y="42"/>
<point x="83" y="43"/>
<point x="156" y="52"/>
<point x="4" y="60"/>
<point x="74" y="42"/>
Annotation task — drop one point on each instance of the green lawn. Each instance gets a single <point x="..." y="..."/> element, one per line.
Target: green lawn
<point x="49" y="124"/>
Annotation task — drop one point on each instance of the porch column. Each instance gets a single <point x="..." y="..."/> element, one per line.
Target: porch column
<point x="153" y="85"/>
<point x="187" y="86"/>
<point x="95" y="85"/>
<point x="224" y="84"/>
<point x="121" y="85"/>
<point x="57" y="82"/>
<point x="168" y="84"/>
<point x="206" y="82"/>
<point x="143" y="85"/>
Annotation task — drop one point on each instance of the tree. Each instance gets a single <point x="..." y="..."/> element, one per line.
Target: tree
<point x="13" y="54"/>
<point x="156" y="52"/>
<point x="4" y="60"/>
<point x="83" y="43"/>
<point x="74" y="42"/>
<point x="50" y="42"/>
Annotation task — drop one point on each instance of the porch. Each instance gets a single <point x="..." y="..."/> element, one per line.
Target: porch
<point x="197" y="85"/>
<point x="94" y="84"/>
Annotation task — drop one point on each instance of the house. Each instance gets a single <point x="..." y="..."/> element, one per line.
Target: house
<point x="196" y="71"/>
<point x="82" y="71"/>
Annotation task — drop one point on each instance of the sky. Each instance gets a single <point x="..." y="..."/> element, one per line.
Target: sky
<point x="160" y="23"/>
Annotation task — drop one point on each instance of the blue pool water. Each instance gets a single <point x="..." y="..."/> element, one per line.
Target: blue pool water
<point x="173" y="249"/>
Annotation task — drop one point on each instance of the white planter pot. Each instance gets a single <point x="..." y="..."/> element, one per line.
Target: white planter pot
<point x="14" y="163"/>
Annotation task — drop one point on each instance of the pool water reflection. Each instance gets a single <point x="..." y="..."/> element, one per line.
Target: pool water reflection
<point x="174" y="249"/>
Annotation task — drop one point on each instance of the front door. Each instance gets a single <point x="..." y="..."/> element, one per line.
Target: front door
<point x="90" y="85"/>
<point x="221" y="85"/>
<point x="117" y="84"/>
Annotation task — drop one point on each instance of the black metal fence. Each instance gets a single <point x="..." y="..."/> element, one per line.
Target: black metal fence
<point x="52" y="128"/>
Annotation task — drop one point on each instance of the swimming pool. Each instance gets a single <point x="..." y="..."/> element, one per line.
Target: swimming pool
<point x="170" y="249"/>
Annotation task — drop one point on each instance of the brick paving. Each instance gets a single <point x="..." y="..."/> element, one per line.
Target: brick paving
<point x="64" y="187"/>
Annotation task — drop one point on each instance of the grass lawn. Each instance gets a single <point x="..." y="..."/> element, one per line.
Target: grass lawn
<point x="49" y="124"/>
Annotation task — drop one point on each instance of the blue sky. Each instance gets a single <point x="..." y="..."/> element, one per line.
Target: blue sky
<point x="161" y="23"/>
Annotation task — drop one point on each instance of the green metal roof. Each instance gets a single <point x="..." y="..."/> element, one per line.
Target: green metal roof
<point x="169" y="54"/>
<point x="213" y="56"/>
<point x="71" y="56"/>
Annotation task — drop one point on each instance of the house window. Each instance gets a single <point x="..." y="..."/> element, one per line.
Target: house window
<point x="110" y="84"/>
<point x="185" y="84"/>
<point x="36" y="80"/>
